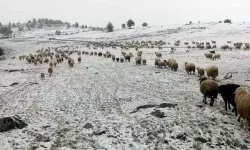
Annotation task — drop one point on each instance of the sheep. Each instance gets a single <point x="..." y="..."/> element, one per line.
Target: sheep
<point x="55" y="64"/>
<point x="42" y="76"/>
<point x="138" y="60"/>
<point x="117" y="59"/>
<point x="113" y="58"/>
<point x="208" y="88"/>
<point x="161" y="64"/>
<point x="242" y="99"/>
<point x="227" y="93"/>
<point x="50" y="71"/>
<point x="100" y="54"/>
<point x="144" y="61"/>
<point x="208" y="55"/>
<point x="51" y="64"/>
<point x="200" y="71"/>
<point x="212" y="71"/>
<point x="158" y="54"/>
<point x="127" y="58"/>
<point x="190" y="67"/>
<point x="139" y="53"/>
<point x="121" y="59"/>
<point x="46" y="60"/>
<point x="156" y="62"/>
<point x="216" y="56"/>
<point x="173" y="65"/>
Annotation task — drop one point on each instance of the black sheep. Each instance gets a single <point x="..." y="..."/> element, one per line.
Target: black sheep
<point x="227" y="93"/>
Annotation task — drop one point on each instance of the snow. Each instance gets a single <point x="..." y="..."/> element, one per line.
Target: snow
<point x="104" y="93"/>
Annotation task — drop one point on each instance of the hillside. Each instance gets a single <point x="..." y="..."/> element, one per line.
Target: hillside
<point x="95" y="104"/>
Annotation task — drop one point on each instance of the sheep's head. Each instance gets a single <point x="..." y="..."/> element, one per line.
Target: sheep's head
<point x="202" y="78"/>
<point x="241" y="90"/>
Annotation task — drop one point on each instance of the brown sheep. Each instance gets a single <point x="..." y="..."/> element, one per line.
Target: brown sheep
<point x="200" y="71"/>
<point x="138" y="60"/>
<point x="51" y="64"/>
<point x="190" y="67"/>
<point x="212" y="72"/>
<point x="242" y="98"/>
<point x="144" y="61"/>
<point x="50" y="71"/>
<point x="209" y="88"/>
<point x="127" y="58"/>
<point x="173" y="65"/>
<point x="216" y="56"/>
<point x="161" y="64"/>
<point x="79" y="59"/>
<point x="121" y="59"/>
<point x="113" y="58"/>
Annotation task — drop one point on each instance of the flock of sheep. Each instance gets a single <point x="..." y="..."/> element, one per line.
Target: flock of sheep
<point x="232" y="94"/>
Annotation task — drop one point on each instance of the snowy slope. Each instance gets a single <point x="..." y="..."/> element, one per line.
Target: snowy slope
<point x="103" y="93"/>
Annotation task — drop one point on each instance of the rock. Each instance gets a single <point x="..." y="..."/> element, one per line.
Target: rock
<point x="10" y="123"/>
<point x="158" y="113"/>
<point x="182" y="136"/>
<point x="14" y="70"/>
<point x="15" y="83"/>
<point x="88" y="126"/>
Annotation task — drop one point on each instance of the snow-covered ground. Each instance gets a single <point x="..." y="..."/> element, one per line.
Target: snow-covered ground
<point x="92" y="106"/>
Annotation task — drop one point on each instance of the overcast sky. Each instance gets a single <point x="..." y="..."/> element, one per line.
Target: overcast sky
<point x="99" y="12"/>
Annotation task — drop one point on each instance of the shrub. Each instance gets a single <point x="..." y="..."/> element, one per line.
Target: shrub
<point x="144" y="24"/>
<point x="220" y="21"/>
<point x="20" y="29"/>
<point x="6" y="31"/>
<point x="110" y="27"/>
<point x="130" y="23"/>
<point x="123" y="25"/>
<point x="58" y="32"/>
<point x="227" y="21"/>
<point x="76" y="24"/>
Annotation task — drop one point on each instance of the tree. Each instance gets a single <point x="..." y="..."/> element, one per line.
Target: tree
<point x="123" y="25"/>
<point x="110" y="27"/>
<point x="13" y="25"/>
<point x="130" y="23"/>
<point x="68" y="25"/>
<point x="82" y="26"/>
<point x="46" y="21"/>
<point x="227" y="21"/>
<point x="144" y="24"/>
<point x="20" y="28"/>
<point x="34" y="21"/>
<point x="58" y="32"/>
<point x="39" y="21"/>
<point x="1" y="24"/>
<point x="6" y="31"/>
<point x="76" y="24"/>
<point x="190" y="22"/>
<point x="220" y="21"/>
<point x="29" y="21"/>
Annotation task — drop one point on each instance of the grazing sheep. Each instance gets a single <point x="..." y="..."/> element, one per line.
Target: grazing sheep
<point x="113" y="58"/>
<point x="173" y="65"/>
<point x="208" y="55"/>
<point x="190" y="67"/>
<point x="139" y="53"/>
<point x="144" y="61"/>
<point x="100" y="54"/>
<point x="161" y="64"/>
<point x="200" y="71"/>
<point x="104" y="55"/>
<point x="127" y="58"/>
<point x="138" y="60"/>
<point x="216" y="56"/>
<point x="55" y="64"/>
<point x="212" y="52"/>
<point x="158" y="54"/>
<point x="79" y="59"/>
<point x="212" y="72"/>
<point x="117" y="59"/>
<point x="51" y="64"/>
<point x="46" y="60"/>
<point x="95" y="53"/>
<point x="121" y="59"/>
<point x="42" y="76"/>
<point x="227" y="93"/>
<point x="242" y="99"/>
<point x="208" y="88"/>
<point x="50" y="71"/>
<point x="156" y="62"/>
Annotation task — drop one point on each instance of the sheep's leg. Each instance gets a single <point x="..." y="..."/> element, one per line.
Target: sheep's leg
<point x="225" y="105"/>
<point x="212" y="101"/>
<point x="238" y="119"/>
<point x="205" y="99"/>
<point x="236" y="112"/>
<point x="229" y="107"/>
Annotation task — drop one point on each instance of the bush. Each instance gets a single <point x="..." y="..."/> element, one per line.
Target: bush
<point x="227" y="21"/>
<point x="20" y="29"/>
<point x="58" y="32"/>
<point x="1" y="51"/>
<point x="130" y="23"/>
<point x="144" y="24"/>
<point x="220" y="21"/>
<point x="123" y="25"/>
<point x="110" y="27"/>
